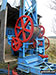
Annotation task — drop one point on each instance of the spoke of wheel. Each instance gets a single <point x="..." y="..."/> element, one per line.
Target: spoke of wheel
<point x="24" y="35"/>
<point x="27" y="30"/>
<point x="15" y="44"/>
<point x="18" y="27"/>
<point x="19" y="33"/>
<point x="14" y="41"/>
<point x="26" y="23"/>
<point x="22" y="22"/>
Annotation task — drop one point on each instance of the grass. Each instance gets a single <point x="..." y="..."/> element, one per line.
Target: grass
<point x="51" y="52"/>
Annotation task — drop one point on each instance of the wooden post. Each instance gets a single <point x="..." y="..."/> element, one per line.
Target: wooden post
<point x="3" y="18"/>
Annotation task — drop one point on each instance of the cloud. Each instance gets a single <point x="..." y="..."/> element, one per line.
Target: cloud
<point x="47" y="16"/>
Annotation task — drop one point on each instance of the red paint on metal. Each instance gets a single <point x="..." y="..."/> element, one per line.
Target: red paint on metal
<point x="34" y="43"/>
<point x="43" y="56"/>
<point x="16" y="44"/>
<point x="14" y="73"/>
<point x="24" y="29"/>
<point x="42" y="29"/>
<point x="41" y="44"/>
<point x="47" y="43"/>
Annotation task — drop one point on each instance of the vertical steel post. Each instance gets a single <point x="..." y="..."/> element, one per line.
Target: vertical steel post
<point x="35" y="9"/>
<point x="22" y="7"/>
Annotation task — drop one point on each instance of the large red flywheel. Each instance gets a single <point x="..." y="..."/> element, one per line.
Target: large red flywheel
<point x="22" y="24"/>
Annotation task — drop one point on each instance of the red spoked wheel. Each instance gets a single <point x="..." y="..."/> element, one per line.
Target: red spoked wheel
<point x="26" y="22"/>
<point x="34" y="43"/>
<point x="16" y="44"/>
<point x="47" y="42"/>
<point x="42" y="31"/>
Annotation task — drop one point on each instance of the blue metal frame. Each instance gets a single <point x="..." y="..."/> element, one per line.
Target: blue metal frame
<point x="32" y="62"/>
<point x="3" y="71"/>
<point x="32" y="8"/>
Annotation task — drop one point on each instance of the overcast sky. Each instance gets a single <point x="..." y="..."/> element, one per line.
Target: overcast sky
<point x="46" y="13"/>
<point x="47" y="16"/>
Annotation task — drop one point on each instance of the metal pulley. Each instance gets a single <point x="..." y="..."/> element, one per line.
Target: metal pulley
<point x="42" y="31"/>
<point x="16" y="44"/>
<point x="47" y="43"/>
<point x="24" y="28"/>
